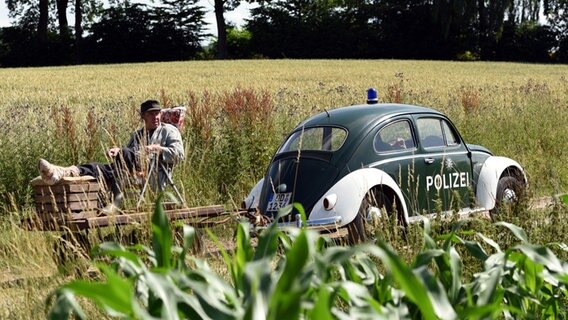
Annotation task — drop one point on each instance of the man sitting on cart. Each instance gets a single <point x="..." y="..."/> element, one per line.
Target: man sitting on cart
<point x="157" y="142"/>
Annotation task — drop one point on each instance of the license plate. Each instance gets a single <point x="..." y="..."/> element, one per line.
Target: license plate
<point x="278" y="200"/>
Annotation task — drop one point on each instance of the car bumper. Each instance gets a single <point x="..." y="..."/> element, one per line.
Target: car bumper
<point x="330" y="223"/>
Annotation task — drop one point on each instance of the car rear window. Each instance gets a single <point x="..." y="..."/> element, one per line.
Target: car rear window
<point x="317" y="139"/>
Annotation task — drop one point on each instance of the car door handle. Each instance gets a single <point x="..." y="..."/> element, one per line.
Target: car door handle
<point x="429" y="160"/>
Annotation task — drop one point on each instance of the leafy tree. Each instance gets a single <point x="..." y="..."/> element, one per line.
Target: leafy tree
<point x="178" y="29"/>
<point x="310" y="29"/>
<point x="528" y="42"/>
<point x="557" y="16"/>
<point x="417" y="29"/>
<point x="137" y="32"/>
<point x="62" y="6"/>
<point x="121" y="35"/>
<point x="238" y="43"/>
<point x="222" y="6"/>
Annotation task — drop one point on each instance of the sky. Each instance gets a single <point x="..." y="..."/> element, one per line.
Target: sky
<point x="237" y="16"/>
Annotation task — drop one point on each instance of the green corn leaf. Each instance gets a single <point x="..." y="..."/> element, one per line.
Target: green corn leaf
<point x="128" y="262"/>
<point x="531" y="276"/>
<point x="267" y="242"/>
<point x="115" y="295"/>
<point x="476" y="250"/>
<point x="350" y="273"/>
<point x="162" y="240"/>
<point x="412" y="286"/>
<point x="322" y="306"/>
<point x="338" y="256"/>
<point x="226" y="258"/>
<point x="542" y="255"/>
<point x="452" y="236"/>
<point x="243" y="254"/>
<point x="369" y="270"/>
<point x="429" y="243"/>
<point x="562" y="246"/>
<point x="354" y="294"/>
<point x="285" y="302"/>
<point x="489" y="311"/>
<point x="260" y="280"/>
<point x="244" y="251"/>
<point x="116" y="250"/>
<point x="436" y="293"/>
<point x="65" y="305"/>
<point x="213" y="295"/>
<point x="490" y="242"/>
<point x="256" y="308"/>
<point x="518" y="232"/>
<point x="426" y="256"/>
<point x="488" y="282"/>
<point x="456" y="273"/>
<point x="189" y="235"/>
<point x="384" y="289"/>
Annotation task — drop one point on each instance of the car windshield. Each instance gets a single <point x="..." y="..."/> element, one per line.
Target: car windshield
<point x="316" y="139"/>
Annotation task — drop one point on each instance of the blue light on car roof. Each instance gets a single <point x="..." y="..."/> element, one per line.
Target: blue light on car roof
<point x="372" y="96"/>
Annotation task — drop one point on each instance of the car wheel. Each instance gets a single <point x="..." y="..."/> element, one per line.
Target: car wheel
<point x="361" y="228"/>
<point x="510" y="192"/>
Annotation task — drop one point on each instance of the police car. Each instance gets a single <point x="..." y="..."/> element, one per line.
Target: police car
<point x="350" y="164"/>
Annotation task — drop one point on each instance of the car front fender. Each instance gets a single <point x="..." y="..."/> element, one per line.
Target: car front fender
<point x="251" y="201"/>
<point x="489" y="176"/>
<point x="350" y="191"/>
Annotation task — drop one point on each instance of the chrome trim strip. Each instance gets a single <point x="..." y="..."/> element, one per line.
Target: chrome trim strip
<point x="414" y="156"/>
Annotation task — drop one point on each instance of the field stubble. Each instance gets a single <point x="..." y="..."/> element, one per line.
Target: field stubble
<point x="238" y="112"/>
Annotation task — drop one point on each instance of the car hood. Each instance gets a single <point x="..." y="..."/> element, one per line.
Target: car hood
<point x="306" y="176"/>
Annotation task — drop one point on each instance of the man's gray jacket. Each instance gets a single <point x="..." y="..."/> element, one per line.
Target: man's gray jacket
<point x="167" y="136"/>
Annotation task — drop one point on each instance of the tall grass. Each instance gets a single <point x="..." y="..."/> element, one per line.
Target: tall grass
<point x="72" y="114"/>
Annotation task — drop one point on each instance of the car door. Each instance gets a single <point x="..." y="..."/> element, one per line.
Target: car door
<point x="395" y="147"/>
<point x="444" y="167"/>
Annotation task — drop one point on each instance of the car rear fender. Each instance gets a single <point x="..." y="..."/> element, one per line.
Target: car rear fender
<point x="250" y="203"/>
<point x="351" y="190"/>
<point x="491" y="171"/>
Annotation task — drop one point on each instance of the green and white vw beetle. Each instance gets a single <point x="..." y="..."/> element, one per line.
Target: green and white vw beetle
<point x="347" y="165"/>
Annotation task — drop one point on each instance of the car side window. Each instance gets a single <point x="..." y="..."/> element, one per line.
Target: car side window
<point x="395" y="136"/>
<point x="451" y="138"/>
<point x="435" y="133"/>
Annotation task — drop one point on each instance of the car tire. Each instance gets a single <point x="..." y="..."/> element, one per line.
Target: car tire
<point x="360" y="229"/>
<point x="510" y="192"/>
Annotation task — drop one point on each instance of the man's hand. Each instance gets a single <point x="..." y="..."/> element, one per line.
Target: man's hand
<point x="154" y="148"/>
<point x="399" y="143"/>
<point x="113" y="152"/>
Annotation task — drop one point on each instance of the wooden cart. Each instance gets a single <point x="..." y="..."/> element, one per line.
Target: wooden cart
<point x="74" y="206"/>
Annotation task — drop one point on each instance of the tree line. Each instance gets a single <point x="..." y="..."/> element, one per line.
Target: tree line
<point x="121" y="31"/>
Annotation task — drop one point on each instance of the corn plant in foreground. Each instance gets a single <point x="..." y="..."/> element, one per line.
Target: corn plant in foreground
<point x="298" y="274"/>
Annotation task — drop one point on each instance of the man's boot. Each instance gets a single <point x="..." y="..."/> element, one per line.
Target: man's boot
<point x="51" y="174"/>
<point x="117" y="195"/>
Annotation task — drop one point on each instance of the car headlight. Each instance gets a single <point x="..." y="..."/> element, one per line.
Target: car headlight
<point x="329" y="201"/>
